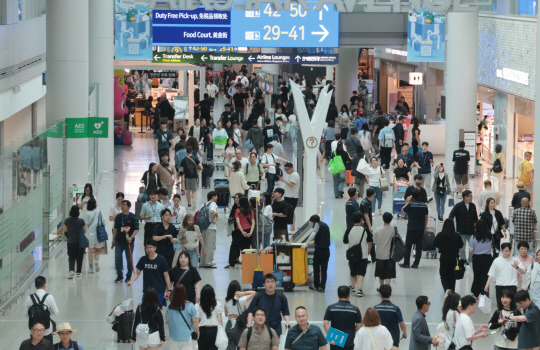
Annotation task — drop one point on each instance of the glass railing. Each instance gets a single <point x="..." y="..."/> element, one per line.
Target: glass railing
<point x="32" y="192"/>
<point x="29" y="9"/>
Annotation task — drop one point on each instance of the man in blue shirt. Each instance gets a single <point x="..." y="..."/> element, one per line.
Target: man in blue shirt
<point x="273" y="302"/>
<point x="358" y="123"/>
<point x="529" y="332"/>
<point x="390" y="314"/>
<point x="163" y="139"/>
<point x="416" y="227"/>
<point x="406" y="156"/>
<point x="424" y="162"/>
<point x="351" y="207"/>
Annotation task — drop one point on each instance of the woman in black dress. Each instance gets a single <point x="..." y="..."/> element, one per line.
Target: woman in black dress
<point x="165" y="234"/>
<point x="448" y="242"/>
<point x="415" y="136"/>
<point x="187" y="275"/>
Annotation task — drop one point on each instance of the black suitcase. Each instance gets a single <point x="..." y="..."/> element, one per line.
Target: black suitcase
<point x="428" y="241"/>
<point x="223" y="196"/>
<point x="124" y="325"/>
<point x="205" y="181"/>
<point x="208" y="170"/>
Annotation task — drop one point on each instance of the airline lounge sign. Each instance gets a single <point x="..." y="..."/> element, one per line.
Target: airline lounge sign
<point x="81" y="128"/>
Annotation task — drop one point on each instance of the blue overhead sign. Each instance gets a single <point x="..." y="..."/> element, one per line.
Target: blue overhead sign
<point x="285" y="58"/>
<point x="263" y="28"/>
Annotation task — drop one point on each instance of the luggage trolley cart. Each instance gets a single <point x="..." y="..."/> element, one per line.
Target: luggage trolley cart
<point x="428" y="242"/>
<point x="218" y="154"/>
<point x="398" y="197"/>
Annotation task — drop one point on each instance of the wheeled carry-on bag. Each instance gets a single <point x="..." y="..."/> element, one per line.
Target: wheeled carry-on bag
<point x="124" y="325"/>
<point x="221" y="187"/>
<point x="206" y="175"/>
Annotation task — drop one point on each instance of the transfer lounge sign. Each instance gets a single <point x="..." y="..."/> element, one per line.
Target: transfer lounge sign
<point x="80" y="128"/>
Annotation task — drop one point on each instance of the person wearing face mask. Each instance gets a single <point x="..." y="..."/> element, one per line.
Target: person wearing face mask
<point x="441" y="188"/>
<point x="418" y="180"/>
<point x="165" y="234"/>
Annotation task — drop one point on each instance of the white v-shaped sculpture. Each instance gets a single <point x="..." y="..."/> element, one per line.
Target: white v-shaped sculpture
<point x="311" y="136"/>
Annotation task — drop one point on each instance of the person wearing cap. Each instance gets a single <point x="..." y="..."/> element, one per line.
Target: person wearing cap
<point x="519" y="195"/>
<point x="64" y="332"/>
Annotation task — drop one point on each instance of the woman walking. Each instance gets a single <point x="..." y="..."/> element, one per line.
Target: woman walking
<point x="165" y="234"/>
<point x="75" y="249"/>
<point x="507" y="331"/>
<point x="237" y="179"/>
<point x="373" y="178"/>
<point x="481" y="246"/>
<point x="185" y="274"/>
<point x="365" y="139"/>
<point x="450" y="314"/>
<point x="149" y="313"/>
<point x="415" y="136"/>
<point x="191" y="237"/>
<point x="441" y="188"/>
<point x="497" y="171"/>
<point x="448" y="242"/>
<point x="235" y="304"/>
<point x="167" y="174"/>
<point x="531" y="280"/>
<point x="151" y="179"/>
<point x="371" y="330"/>
<point x="244" y="228"/>
<point x="82" y="202"/>
<point x="209" y="311"/>
<point x="182" y="319"/>
<point x="266" y="219"/>
<point x="93" y="218"/>
<point x="495" y="222"/>
<point x="343" y="120"/>
<point x="340" y="178"/>
<point x="229" y="152"/>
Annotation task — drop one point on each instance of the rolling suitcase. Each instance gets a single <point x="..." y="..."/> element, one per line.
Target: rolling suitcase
<point x="206" y="175"/>
<point x="124" y="325"/>
<point x="221" y="187"/>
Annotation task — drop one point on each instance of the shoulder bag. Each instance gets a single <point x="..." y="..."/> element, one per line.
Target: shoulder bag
<point x="383" y="182"/>
<point x="102" y="235"/>
<point x="354" y="253"/>
<point x="194" y="334"/>
<point x="336" y="164"/>
<point x="301" y="335"/>
<point x="83" y="240"/>
<point x="371" y="338"/>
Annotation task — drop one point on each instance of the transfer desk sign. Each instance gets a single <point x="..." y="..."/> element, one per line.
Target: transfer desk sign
<point x="188" y="57"/>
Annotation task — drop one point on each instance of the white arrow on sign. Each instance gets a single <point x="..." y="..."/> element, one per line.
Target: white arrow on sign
<point x="203" y="58"/>
<point x="251" y="58"/>
<point x="156" y="57"/>
<point x="320" y="13"/>
<point x="298" y="58"/>
<point x="324" y="33"/>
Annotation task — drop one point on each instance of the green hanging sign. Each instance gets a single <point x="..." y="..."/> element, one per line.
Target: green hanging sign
<point x="79" y="128"/>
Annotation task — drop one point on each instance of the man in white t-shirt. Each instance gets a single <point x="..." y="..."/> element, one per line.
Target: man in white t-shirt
<point x="268" y="161"/>
<point x="504" y="270"/>
<point x="278" y="148"/>
<point x="209" y="235"/>
<point x="291" y="182"/>
<point x="239" y="157"/>
<point x="464" y="333"/>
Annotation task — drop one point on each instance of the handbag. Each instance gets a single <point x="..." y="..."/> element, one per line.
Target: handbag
<point x="484" y="304"/>
<point x="222" y="341"/>
<point x="459" y="271"/>
<point x="383" y="182"/>
<point x="83" y="240"/>
<point x="102" y="235"/>
<point x="336" y="164"/>
<point x="194" y="334"/>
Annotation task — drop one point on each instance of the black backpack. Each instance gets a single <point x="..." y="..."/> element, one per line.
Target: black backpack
<point x="39" y="311"/>
<point x="497" y="166"/>
<point x="190" y="168"/>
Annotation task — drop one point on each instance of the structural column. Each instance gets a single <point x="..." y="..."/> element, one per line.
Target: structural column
<point x="67" y="76"/>
<point x="536" y="153"/>
<point x="269" y="68"/>
<point x="101" y="68"/>
<point x="461" y="79"/>
<point x="346" y="75"/>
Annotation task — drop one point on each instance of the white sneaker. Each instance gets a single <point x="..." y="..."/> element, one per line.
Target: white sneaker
<point x="97" y="266"/>
<point x="90" y="269"/>
<point x="71" y="275"/>
<point x="78" y="274"/>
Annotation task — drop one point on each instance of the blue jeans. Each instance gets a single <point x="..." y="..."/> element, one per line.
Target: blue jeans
<point x="193" y="258"/>
<point x="378" y="197"/>
<point x="271" y="178"/>
<point x="440" y="201"/>
<point x="339" y="182"/>
<point x="123" y="247"/>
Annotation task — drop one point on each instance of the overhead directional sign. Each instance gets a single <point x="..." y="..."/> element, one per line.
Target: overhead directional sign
<point x="285" y="58"/>
<point x="263" y="28"/>
<point x="189" y="57"/>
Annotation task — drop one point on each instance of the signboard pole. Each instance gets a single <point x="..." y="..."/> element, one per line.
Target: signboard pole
<point x="311" y="135"/>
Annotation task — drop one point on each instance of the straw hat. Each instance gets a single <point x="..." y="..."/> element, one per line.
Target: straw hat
<point x="520" y="185"/>
<point x="64" y="327"/>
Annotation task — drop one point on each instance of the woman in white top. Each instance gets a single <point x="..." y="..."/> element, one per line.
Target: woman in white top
<point x="344" y="119"/>
<point x="219" y="131"/>
<point x="450" y="314"/>
<point x="209" y="311"/>
<point x="229" y="152"/>
<point x="373" y="336"/>
<point x="82" y="202"/>
<point x="373" y="178"/>
<point x="92" y="218"/>
<point x="235" y="304"/>
<point x="365" y="138"/>
<point x="116" y="208"/>
<point x="266" y="219"/>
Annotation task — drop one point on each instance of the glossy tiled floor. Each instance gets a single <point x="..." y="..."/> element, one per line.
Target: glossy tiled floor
<point x="85" y="302"/>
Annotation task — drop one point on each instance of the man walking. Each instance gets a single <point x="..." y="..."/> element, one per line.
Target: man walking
<point x="525" y="221"/>
<point x="259" y="336"/>
<point x="126" y="227"/>
<point x="390" y="314"/>
<point x="418" y="185"/>
<point x="488" y="192"/>
<point x="352" y="143"/>
<point x="151" y="214"/>
<point x="291" y="179"/>
<point x="351" y="207"/>
<point x="190" y="167"/>
<point x="344" y="317"/>
<point x="268" y="161"/>
<point x="387" y="140"/>
<point x="304" y="335"/>
<point x="521" y="193"/>
<point x="163" y="138"/>
<point x="461" y="160"/>
<point x="417" y="212"/>
<point x="359" y="246"/>
<point x="273" y="301"/>
<point x="209" y="234"/>
<point x="321" y="234"/>
<point x="280" y="209"/>
<point x="529" y="332"/>
<point x="424" y="162"/>
<point x="466" y="217"/>
<point x="399" y="132"/>
<point x="464" y="333"/>
<point x="41" y="297"/>
<point x="526" y="172"/>
<point x="420" y="337"/>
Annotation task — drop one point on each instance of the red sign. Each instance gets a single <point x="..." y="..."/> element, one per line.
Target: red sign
<point x="213" y="74"/>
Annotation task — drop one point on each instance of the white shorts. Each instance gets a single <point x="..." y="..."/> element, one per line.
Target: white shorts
<point x="181" y="345"/>
<point x="153" y="340"/>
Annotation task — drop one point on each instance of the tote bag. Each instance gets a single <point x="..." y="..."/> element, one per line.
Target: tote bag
<point x="336" y="164"/>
